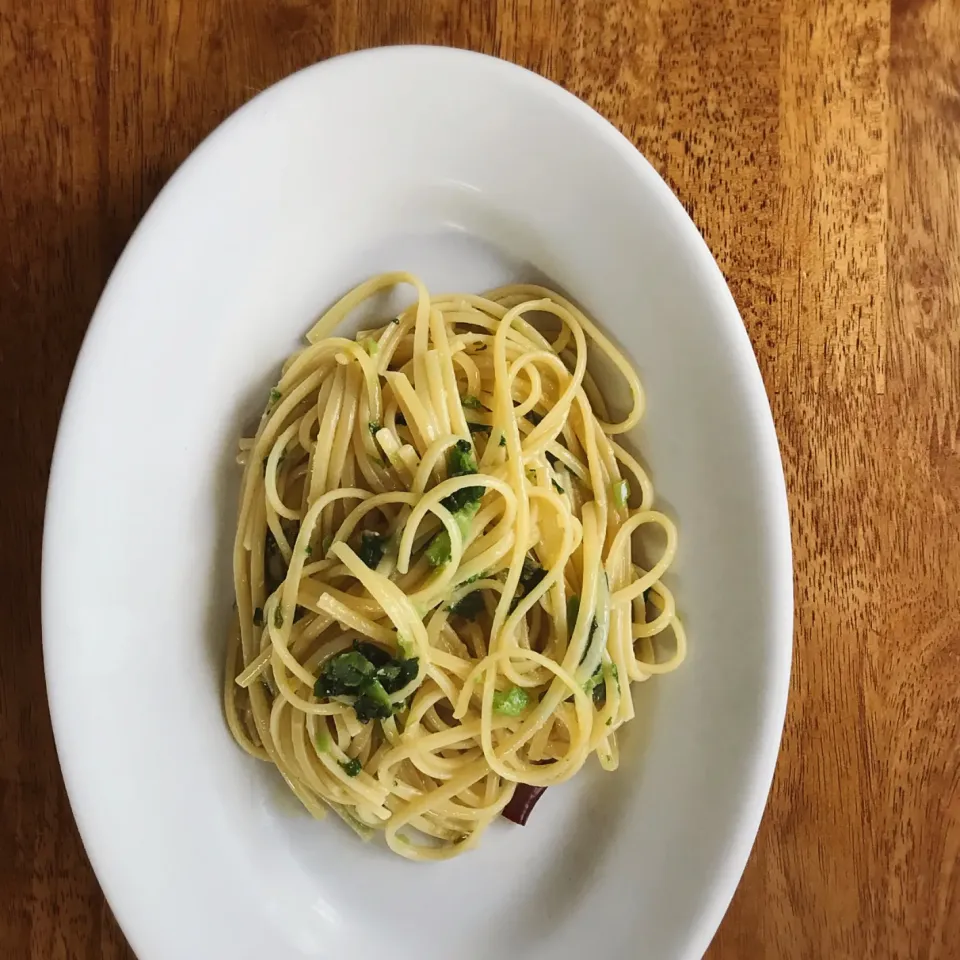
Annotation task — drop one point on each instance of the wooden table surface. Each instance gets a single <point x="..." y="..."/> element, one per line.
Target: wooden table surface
<point x="817" y="146"/>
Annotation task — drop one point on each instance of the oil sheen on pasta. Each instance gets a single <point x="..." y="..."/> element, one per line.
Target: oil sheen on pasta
<point x="437" y="590"/>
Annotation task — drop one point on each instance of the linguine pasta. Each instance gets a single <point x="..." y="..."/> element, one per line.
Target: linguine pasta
<point x="439" y="597"/>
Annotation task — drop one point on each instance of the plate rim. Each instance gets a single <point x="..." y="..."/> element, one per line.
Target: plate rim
<point x="722" y="887"/>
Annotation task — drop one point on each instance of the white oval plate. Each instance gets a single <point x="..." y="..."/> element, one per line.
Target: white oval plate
<point x="470" y="172"/>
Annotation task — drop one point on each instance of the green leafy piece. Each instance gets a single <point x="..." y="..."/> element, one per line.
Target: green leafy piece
<point x="408" y="671"/>
<point x="373" y="426"/>
<point x="368" y="673"/>
<point x="388" y="673"/>
<point x="373" y="703"/>
<point x="460" y="459"/>
<point x="470" y="402"/>
<point x="531" y="574"/>
<point x="439" y="549"/>
<point x="468" y="606"/>
<point x="596" y="683"/>
<point x="371" y="346"/>
<point x="376" y="655"/>
<point x="510" y="702"/>
<point x="466" y="499"/>
<point x="461" y="463"/>
<point x="351" y="767"/>
<point x="275" y="395"/>
<point x="372" y="545"/>
<point x="621" y="492"/>
<point x="343" y="674"/>
<point x="309" y="550"/>
<point x="258" y="617"/>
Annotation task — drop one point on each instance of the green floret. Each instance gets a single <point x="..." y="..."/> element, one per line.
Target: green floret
<point x="510" y="702"/>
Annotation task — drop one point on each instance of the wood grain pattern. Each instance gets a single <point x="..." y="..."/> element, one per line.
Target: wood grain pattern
<point x="817" y="145"/>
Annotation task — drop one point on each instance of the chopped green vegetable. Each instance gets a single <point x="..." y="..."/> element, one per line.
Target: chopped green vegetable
<point x="322" y="741"/>
<point x="372" y="545"/>
<point x="275" y="395"/>
<point x="462" y="463"/>
<point x="460" y="459"/>
<point x="511" y="702"/>
<point x="466" y="498"/>
<point x="343" y="673"/>
<point x="463" y="504"/>
<point x="468" y="606"/>
<point x="258" y="617"/>
<point x="405" y="646"/>
<point x="368" y="673"/>
<point x="373" y="427"/>
<point x="278" y="616"/>
<point x="596" y="683"/>
<point x="351" y="767"/>
<point x="471" y="402"/>
<point x="376" y="655"/>
<point x="621" y="492"/>
<point x="531" y="574"/>
<point x="308" y="550"/>
<point x="373" y="703"/>
<point x="371" y="346"/>
<point x="439" y="549"/>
